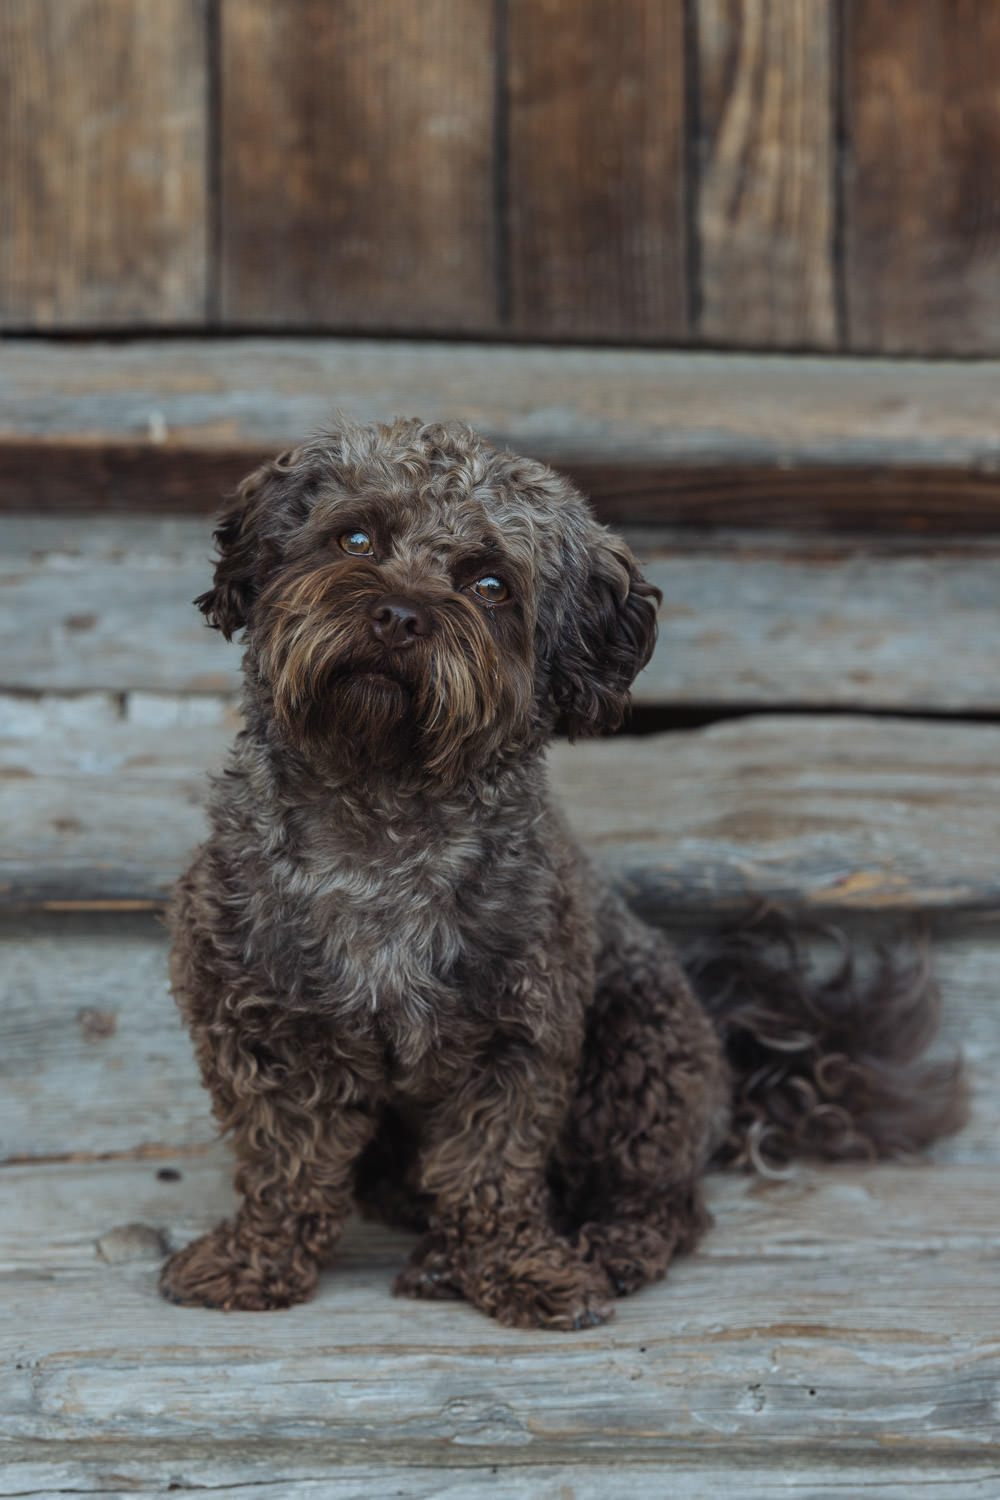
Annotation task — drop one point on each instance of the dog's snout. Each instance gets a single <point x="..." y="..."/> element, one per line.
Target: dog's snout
<point x="398" y="621"/>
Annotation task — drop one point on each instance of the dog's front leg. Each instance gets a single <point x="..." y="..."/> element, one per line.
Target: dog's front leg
<point x="296" y="1147"/>
<point x="492" y="1240"/>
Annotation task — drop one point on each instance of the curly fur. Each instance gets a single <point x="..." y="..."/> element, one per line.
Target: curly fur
<point x="406" y="986"/>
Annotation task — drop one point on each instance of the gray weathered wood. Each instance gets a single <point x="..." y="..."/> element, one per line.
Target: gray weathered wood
<point x="652" y="437"/>
<point x="818" y="1477"/>
<point x="828" y="1311"/>
<point x="93" y="1059"/>
<point x="595" y="405"/>
<point x="821" y="1477"/>
<point x="748" y="618"/>
<point x="824" y="813"/>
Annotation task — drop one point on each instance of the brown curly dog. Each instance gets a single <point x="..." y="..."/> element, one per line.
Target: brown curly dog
<point x="405" y="984"/>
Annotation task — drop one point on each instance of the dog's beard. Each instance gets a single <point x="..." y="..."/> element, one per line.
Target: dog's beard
<point x="447" y="702"/>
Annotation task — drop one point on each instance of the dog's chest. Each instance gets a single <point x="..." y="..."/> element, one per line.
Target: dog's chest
<point x="381" y="925"/>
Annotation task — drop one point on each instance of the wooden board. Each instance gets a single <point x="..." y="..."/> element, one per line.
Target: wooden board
<point x="103" y="155"/>
<point x="94" y="1061"/>
<point x="357" y="142"/>
<point x="821" y="1478"/>
<point x="595" y="169"/>
<point x="825" y="1315"/>
<point x="749" y="618"/>
<point x="704" y="439"/>
<point x="765" y="190"/>
<point x="101" y="801"/>
<point x="921" y="213"/>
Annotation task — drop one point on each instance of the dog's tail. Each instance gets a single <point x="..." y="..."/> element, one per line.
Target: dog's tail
<point x="825" y="1063"/>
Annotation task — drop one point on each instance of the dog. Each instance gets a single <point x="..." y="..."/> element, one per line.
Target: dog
<point x="407" y="987"/>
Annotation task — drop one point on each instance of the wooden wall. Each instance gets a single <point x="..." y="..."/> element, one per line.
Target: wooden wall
<point x="768" y="174"/>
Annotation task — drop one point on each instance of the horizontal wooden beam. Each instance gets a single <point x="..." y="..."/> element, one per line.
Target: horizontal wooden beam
<point x="95" y="1062"/>
<point x="689" y="438"/>
<point x="749" y="618"/>
<point x="830" y="1313"/>
<point x="101" y="803"/>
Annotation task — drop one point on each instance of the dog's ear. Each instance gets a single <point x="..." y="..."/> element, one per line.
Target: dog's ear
<point x="238" y="539"/>
<point x="607" y="638"/>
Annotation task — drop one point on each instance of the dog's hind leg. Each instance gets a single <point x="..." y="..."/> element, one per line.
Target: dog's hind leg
<point x="651" y="1105"/>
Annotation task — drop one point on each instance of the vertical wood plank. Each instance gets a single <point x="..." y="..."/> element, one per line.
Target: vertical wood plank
<point x="921" y="198"/>
<point x="357" y="147"/>
<point x="765" y="176"/>
<point x="103" y="107"/>
<point x="596" y="169"/>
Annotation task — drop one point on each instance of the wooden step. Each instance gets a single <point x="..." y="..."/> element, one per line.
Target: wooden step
<point x="749" y="619"/>
<point x="94" y="1061"/>
<point x="101" y="801"/>
<point x="652" y="436"/>
<point x="826" y="1314"/>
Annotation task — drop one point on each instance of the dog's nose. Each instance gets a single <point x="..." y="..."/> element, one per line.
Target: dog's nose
<point x="397" y="621"/>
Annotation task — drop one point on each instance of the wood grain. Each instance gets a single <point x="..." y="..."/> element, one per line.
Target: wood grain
<point x="750" y="619"/>
<point x="765" y="193"/>
<point x="94" y="1061"/>
<point x="231" y="1477"/>
<point x="102" y="802"/>
<point x="595" y="109"/>
<point x="702" y="435"/>
<point x="103" y="154"/>
<point x="829" y="1312"/>
<point x="921" y="213"/>
<point x="357" y="141"/>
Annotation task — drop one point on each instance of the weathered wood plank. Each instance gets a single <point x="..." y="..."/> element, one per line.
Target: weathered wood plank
<point x="816" y="1477"/>
<point x="93" y="1059"/>
<point x="749" y="619"/>
<point x="921" y="214"/>
<point x="830" y="1310"/>
<point x="357" y="141"/>
<point x="722" y="439"/>
<point x="765" y="192"/>
<point x="825" y="813"/>
<point x="103" y="155"/>
<point x="595" y="169"/>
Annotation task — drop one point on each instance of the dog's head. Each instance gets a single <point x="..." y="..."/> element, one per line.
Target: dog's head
<point x="413" y="595"/>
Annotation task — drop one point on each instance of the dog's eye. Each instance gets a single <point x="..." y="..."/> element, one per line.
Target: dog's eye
<point x="491" y="588"/>
<point x="357" y="543"/>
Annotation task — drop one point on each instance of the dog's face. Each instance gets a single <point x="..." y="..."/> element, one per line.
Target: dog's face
<point x="414" y="596"/>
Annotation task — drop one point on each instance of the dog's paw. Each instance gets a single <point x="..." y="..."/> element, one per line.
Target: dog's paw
<point x="429" y="1273"/>
<point x="630" y="1254"/>
<point x="541" y="1285"/>
<point x="220" y="1270"/>
<point x="564" y="1305"/>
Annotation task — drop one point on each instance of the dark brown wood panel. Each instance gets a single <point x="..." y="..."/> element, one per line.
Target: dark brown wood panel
<point x="921" y="206"/>
<point x="765" y="194"/>
<point x="103" y="160"/>
<point x="108" y="474"/>
<point x="357" y="183"/>
<point x="595" y="114"/>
